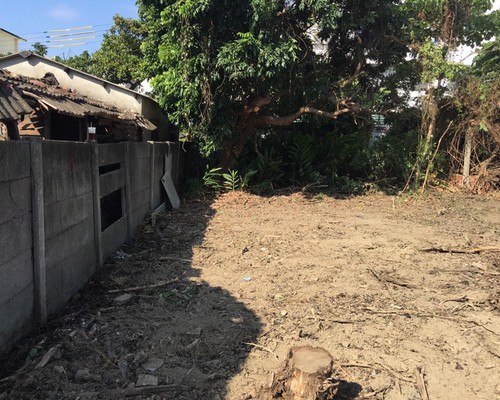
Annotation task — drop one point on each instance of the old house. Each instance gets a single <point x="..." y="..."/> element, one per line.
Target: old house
<point x="13" y="108"/>
<point x="68" y="101"/>
<point x="9" y="43"/>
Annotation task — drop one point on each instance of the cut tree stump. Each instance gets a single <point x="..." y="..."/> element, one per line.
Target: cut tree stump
<point x="305" y="375"/>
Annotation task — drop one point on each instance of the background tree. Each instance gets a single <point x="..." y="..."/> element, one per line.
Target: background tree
<point x="39" y="48"/>
<point x="433" y="31"/>
<point x="119" y="58"/>
<point x="225" y="70"/>
<point x="82" y="62"/>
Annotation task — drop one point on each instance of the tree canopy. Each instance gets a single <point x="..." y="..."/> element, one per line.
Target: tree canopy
<point x="224" y="68"/>
<point x="229" y="73"/>
<point x="119" y="58"/>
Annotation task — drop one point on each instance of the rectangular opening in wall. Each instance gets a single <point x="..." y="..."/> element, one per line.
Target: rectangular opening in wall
<point x="111" y="209"/>
<point x="109" y="168"/>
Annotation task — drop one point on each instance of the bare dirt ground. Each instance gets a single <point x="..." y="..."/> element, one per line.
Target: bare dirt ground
<point x="245" y="278"/>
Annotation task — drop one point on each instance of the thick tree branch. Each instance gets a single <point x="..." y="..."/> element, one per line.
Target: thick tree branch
<point x="289" y="119"/>
<point x="355" y="75"/>
<point x="262" y="101"/>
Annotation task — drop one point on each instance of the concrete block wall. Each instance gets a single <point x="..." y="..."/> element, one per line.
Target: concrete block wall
<point x="140" y="171"/>
<point x="50" y="219"/>
<point x="69" y="220"/>
<point x="113" y="154"/>
<point x="16" y="263"/>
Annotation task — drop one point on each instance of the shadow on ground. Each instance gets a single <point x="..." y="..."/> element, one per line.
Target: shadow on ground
<point x="176" y="334"/>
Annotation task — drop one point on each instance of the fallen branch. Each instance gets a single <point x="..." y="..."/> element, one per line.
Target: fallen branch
<point x="385" y="277"/>
<point x="258" y="346"/>
<point x="375" y="393"/>
<point x="476" y="250"/>
<point x="395" y="374"/>
<point x="422" y="389"/>
<point x="48" y="355"/>
<point x="139" y="288"/>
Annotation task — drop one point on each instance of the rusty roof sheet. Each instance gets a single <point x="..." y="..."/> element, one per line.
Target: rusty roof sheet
<point x="67" y="101"/>
<point x="12" y="105"/>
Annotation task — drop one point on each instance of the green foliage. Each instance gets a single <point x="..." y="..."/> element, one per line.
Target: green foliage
<point x="487" y="62"/>
<point x="119" y="58"/>
<point x="230" y="72"/>
<point x="232" y="180"/>
<point x="211" y="60"/>
<point x="82" y="62"/>
<point x="269" y="167"/>
<point x="212" y="178"/>
<point x="39" y="48"/>
<point x="302" y="154"/>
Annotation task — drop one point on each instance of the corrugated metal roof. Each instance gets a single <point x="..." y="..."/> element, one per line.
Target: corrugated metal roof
<point x="67" y="101"/>
<point x="12" y="105"/>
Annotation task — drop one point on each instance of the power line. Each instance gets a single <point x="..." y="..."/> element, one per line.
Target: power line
<point x="36" y="33"/>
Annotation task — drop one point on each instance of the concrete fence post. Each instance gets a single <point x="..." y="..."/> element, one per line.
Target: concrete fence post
<point x="38" y="228"/>
<point x="96" y="199"/>
<point x="128" y="191"/>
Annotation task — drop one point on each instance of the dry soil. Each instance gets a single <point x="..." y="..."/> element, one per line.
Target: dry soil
<point x="403" y="292"/>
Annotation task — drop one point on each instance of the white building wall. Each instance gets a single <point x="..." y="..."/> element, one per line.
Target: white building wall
<point x="8" y="43"/>
<point x="84" y="84"/>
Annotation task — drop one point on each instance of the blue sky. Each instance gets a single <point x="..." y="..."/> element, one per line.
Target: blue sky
<point x="30" y="19"/>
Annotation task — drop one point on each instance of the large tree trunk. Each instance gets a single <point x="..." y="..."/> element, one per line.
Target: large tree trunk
<point x="467" y="156"/>
<point x="234" y="146"/>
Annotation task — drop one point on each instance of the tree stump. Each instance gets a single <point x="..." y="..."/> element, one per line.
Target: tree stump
<point x="305" y="375"/>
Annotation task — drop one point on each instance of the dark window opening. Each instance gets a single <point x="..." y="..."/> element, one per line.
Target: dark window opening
<point x="108" y="168"/>
<point x="64" y="127"/>
<point x="111" y="209"/>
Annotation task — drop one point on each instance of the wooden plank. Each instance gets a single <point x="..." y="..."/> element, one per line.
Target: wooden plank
<point x="38" y="226"/>
<point x="111" y="182"/>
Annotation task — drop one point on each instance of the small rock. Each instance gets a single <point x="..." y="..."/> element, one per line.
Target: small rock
<point x="59" y="369"/>
<point x="146" y="380"/>
<point x="124" y="370"/>
<point x="140" y="357"/>
<point x="152" y="364"/>
<point x="83" y="375"/>
<point x="458" y="366"/>
<point x="284" y="313"/>
<point x="195" y="332"/>
<point x="123" y="299"/>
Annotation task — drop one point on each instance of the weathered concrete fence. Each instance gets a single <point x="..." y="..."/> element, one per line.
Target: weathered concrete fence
<point x="65" y="207"/>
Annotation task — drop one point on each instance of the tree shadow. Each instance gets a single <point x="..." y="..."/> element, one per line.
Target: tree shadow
<point x="348" y="390"/>
<point x="174" y="333"/>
